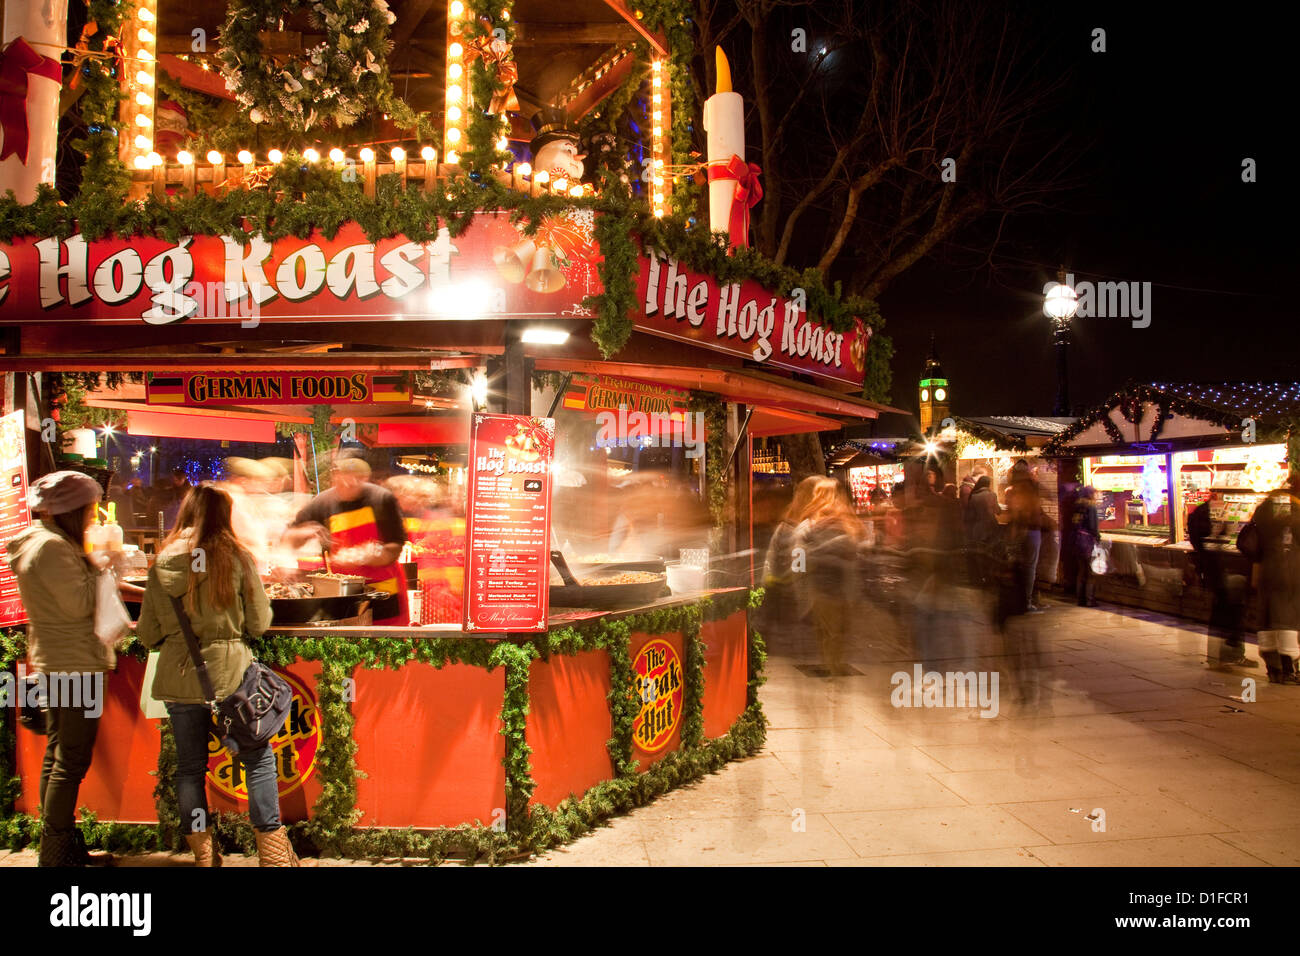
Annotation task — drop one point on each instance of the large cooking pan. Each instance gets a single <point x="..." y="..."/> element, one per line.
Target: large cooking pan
<point x="587" y="567"/>
<point x="313" y="610"/>
<point x="603" y="597"/>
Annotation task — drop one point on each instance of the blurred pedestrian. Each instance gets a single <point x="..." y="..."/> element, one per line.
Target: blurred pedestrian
<point x="981" y="530"/>
<point x="830" y="535"/>
<point x="1227" y="609"/>
<point x="781" y="609"/>
<point x="1277" y="526"/>
<point x="1084" y="537"/>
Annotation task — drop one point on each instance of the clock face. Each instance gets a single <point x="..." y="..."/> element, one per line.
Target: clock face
<point x="925" y="394"/>
<point x="940" y="395"/>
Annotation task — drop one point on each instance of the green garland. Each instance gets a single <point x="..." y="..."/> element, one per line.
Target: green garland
<point x="332" y="826"/>
<point x="487" y="20"/>
<point x="104" y="178"/>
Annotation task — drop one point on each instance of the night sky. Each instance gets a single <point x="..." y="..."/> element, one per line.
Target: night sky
<point x="1164" y="119"/>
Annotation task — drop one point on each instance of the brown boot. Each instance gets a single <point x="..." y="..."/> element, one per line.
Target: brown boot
<point x="274" y="849"/>
<point x="205" y="848"/>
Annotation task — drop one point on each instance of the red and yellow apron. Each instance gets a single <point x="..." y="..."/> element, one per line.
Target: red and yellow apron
<point x="351" y="529"/>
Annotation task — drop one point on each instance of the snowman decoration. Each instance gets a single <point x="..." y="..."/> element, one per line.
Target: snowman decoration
<point x="555" y="147"/>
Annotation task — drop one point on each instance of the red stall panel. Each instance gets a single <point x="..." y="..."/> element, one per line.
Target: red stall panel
<point x="430" y="743"/>
<point x="118" y="786"/>
<point x="569" y="725"/>
<point x="726" y="661"/>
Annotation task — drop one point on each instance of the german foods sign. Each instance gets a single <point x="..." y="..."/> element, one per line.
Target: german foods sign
<point x="745" y="319"/>
<point x="491" y="269"/>
<point x="275" y="388"/>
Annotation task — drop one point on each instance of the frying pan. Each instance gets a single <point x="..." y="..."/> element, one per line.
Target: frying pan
<point x="313" y="610"/>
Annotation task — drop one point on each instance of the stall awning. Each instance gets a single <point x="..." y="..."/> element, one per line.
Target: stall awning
<point x="779" y="421"/>
<point x="213" y="427"/>
<point x="735" y="385"/>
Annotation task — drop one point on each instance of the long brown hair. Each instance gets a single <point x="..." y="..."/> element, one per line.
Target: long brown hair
<point x="203" y="523"/>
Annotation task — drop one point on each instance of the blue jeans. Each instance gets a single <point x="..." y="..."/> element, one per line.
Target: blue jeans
<point x="191" y="724"/>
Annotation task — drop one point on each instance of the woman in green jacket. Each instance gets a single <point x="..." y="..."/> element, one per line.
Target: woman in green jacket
<point x="57" y="585"/>
<point x="203" y="564"/>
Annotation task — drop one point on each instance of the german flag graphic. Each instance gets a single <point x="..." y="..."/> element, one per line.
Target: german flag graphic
<point x="388" y="388"/>
<point x="577" y="398"/>
<point x="168" y="390"/>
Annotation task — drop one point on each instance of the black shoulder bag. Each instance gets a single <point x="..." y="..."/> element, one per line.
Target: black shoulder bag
<point x="258" y="708"/>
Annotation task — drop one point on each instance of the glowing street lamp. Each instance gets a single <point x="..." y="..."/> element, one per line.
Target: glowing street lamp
<point x="1060" y="303"/>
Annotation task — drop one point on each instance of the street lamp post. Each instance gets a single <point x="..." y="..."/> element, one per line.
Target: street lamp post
<point x="1060" y="304"/>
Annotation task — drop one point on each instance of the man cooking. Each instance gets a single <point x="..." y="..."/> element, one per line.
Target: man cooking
<point x="359" y="525"/>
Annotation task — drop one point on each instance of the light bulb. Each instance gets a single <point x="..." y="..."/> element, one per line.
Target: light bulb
<point x="336" y="155"/>
<point x="146" y="56"/>
<point x="143" y="78"/>
<point x="274" y="155"/>
<point x="457" y="8"/>
<point x="453" y="157"/>
<point x="453" y="115"/>
<point x="143" y="98"/>
<point x="524" y="169"/>
<point x="456" y="50"/>
<point x="561" y="184"/>
<point x="142" y="120"/>
<point x="453" y="135"/>
<point x="145" y="15"/>
<point x="503" y="145"/>
<point x="658" y="131"/>
<point x="453" y="93"/>
<point x="145" y="36"/>
<point x="397" y="153"/>
<point x="185" y="157"/>
<point x="367" y="154"/>
<point x="659" y="164"/>
<point x="214" y="157"/>
<point x="141" y="162"/>
<point x="311" y="155"/>
<point x="542" y="177"/>
<point x="576" y="192"/>
<point x="428" y="153"/>
<point x="143" y="142"/>
<point x="154" y="159"/>
<point x="244" y="156"/>
<point x="455" y="70"/>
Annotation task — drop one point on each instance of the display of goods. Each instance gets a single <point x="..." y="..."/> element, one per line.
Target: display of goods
<point x="627" y="577"/>
<point x="281" y="590"/>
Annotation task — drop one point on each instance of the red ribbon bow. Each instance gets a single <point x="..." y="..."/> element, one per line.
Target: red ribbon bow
<point x="17" y="63"/>
<point x="748" y="192"/>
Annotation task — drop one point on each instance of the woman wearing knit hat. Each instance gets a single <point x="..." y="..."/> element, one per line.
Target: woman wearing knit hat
<point x="57" y="586"/>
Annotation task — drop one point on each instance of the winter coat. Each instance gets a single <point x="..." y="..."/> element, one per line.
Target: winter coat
<point x="57" y="588"/>
<point x="220" y="632"/>
<point x="1278" y="521"/>
<point x="981" y="514"/>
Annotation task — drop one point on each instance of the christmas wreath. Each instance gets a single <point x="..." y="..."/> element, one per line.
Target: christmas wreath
<point x="334" y="82"/>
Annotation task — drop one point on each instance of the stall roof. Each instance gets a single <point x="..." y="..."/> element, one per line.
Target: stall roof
<point x="1162" y="417"/>
<point x="1012" y="432"/>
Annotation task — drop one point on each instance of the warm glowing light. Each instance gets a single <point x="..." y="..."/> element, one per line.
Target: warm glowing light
<point x="428" y="153"/>
<point x="453" y="114"/>
<point x="141" y="162"/>
<point x="659" y="164"/>
<point x="336" y="155"/>
<point x="505" y="15"/>
<point x="659" y="180"/>
<point x="143" y="78"/>
<point x="153" y="159"/>
<point x="455" y="71"/>
<point x="143" y="142"/>
<point x="503" y="145"/>
<point x="724" y="71"/>
<point x="453" y="135"/>
<point x="397" y="153"/>
<point x="453" y="93"/>
<point x="1061" y="302"/>
<point x="146" y="56"/>
<point x="456" y="50"/>
<point x="543" y="336"/>
<point x="143" y="98"/>
<point x="215" y="158"/>
<point x="274" y="155"/>
<point x="543" y="177"/>
<point x="561" y="184"/>
<point x="659" y="212"/>
<point x="367" y="154"/>
<point x="658" y="131"/>
<point x="145" y="36"/>
<point x="524" y="169"/>
<point x="311" y="155"/>
<point x="245" y="157"/>
<point x="185" y="157"/>
<point x="145" y="14"/>
<point x="453" y="157"/>
<point x="576" y="192"/>
<point x="657" y="98"/>
<point x="479" y="388"/>
<point x="457" y="8"/>
<point x="142" y="120"/>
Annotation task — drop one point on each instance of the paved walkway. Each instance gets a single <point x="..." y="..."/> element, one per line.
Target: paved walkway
<point x="1136" y="753"/>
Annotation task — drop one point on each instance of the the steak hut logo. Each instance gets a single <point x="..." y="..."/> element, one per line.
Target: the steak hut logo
<point x="760" y="325"/>
<point x="295" y="748"/>
<point x="658" y="685"/>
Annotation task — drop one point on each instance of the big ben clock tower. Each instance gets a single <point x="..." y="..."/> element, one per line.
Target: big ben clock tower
<point x="933" y="393"/>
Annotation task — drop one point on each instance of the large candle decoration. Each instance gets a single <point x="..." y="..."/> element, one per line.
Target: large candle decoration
<point x="30" y="83"/>
<point x="733" y="184"/>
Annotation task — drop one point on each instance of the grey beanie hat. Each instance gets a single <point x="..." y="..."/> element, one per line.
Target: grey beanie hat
<point x="62" y="491"/>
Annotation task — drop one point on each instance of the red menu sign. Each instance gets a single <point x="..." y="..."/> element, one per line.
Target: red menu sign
<point x="14" y="516"/>
<point x="508" y="523"/>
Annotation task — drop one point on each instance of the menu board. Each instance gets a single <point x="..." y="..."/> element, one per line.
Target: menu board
<point x="508" y="523"/>
<point x="14" y="516"/>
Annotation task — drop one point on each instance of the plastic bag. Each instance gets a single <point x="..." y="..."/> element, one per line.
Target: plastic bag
<point x="112" y="622"/>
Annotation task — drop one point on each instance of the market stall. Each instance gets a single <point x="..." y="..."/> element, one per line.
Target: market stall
<point x="559" y="346"/>
<point x="1155" y="453"/>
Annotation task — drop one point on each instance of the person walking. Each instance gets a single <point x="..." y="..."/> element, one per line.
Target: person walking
<point x="1226" y="599"/>
<point x="1277" y="524"/>
<point x="225" y="602"/>
<point x="1025" y="522"/>
<point x="830" y="534"/>
<point x="982" y="530"/>
<point x="781" y="612"/>
<point x="57" y="585"/>
<point x="1085" y="536"/>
